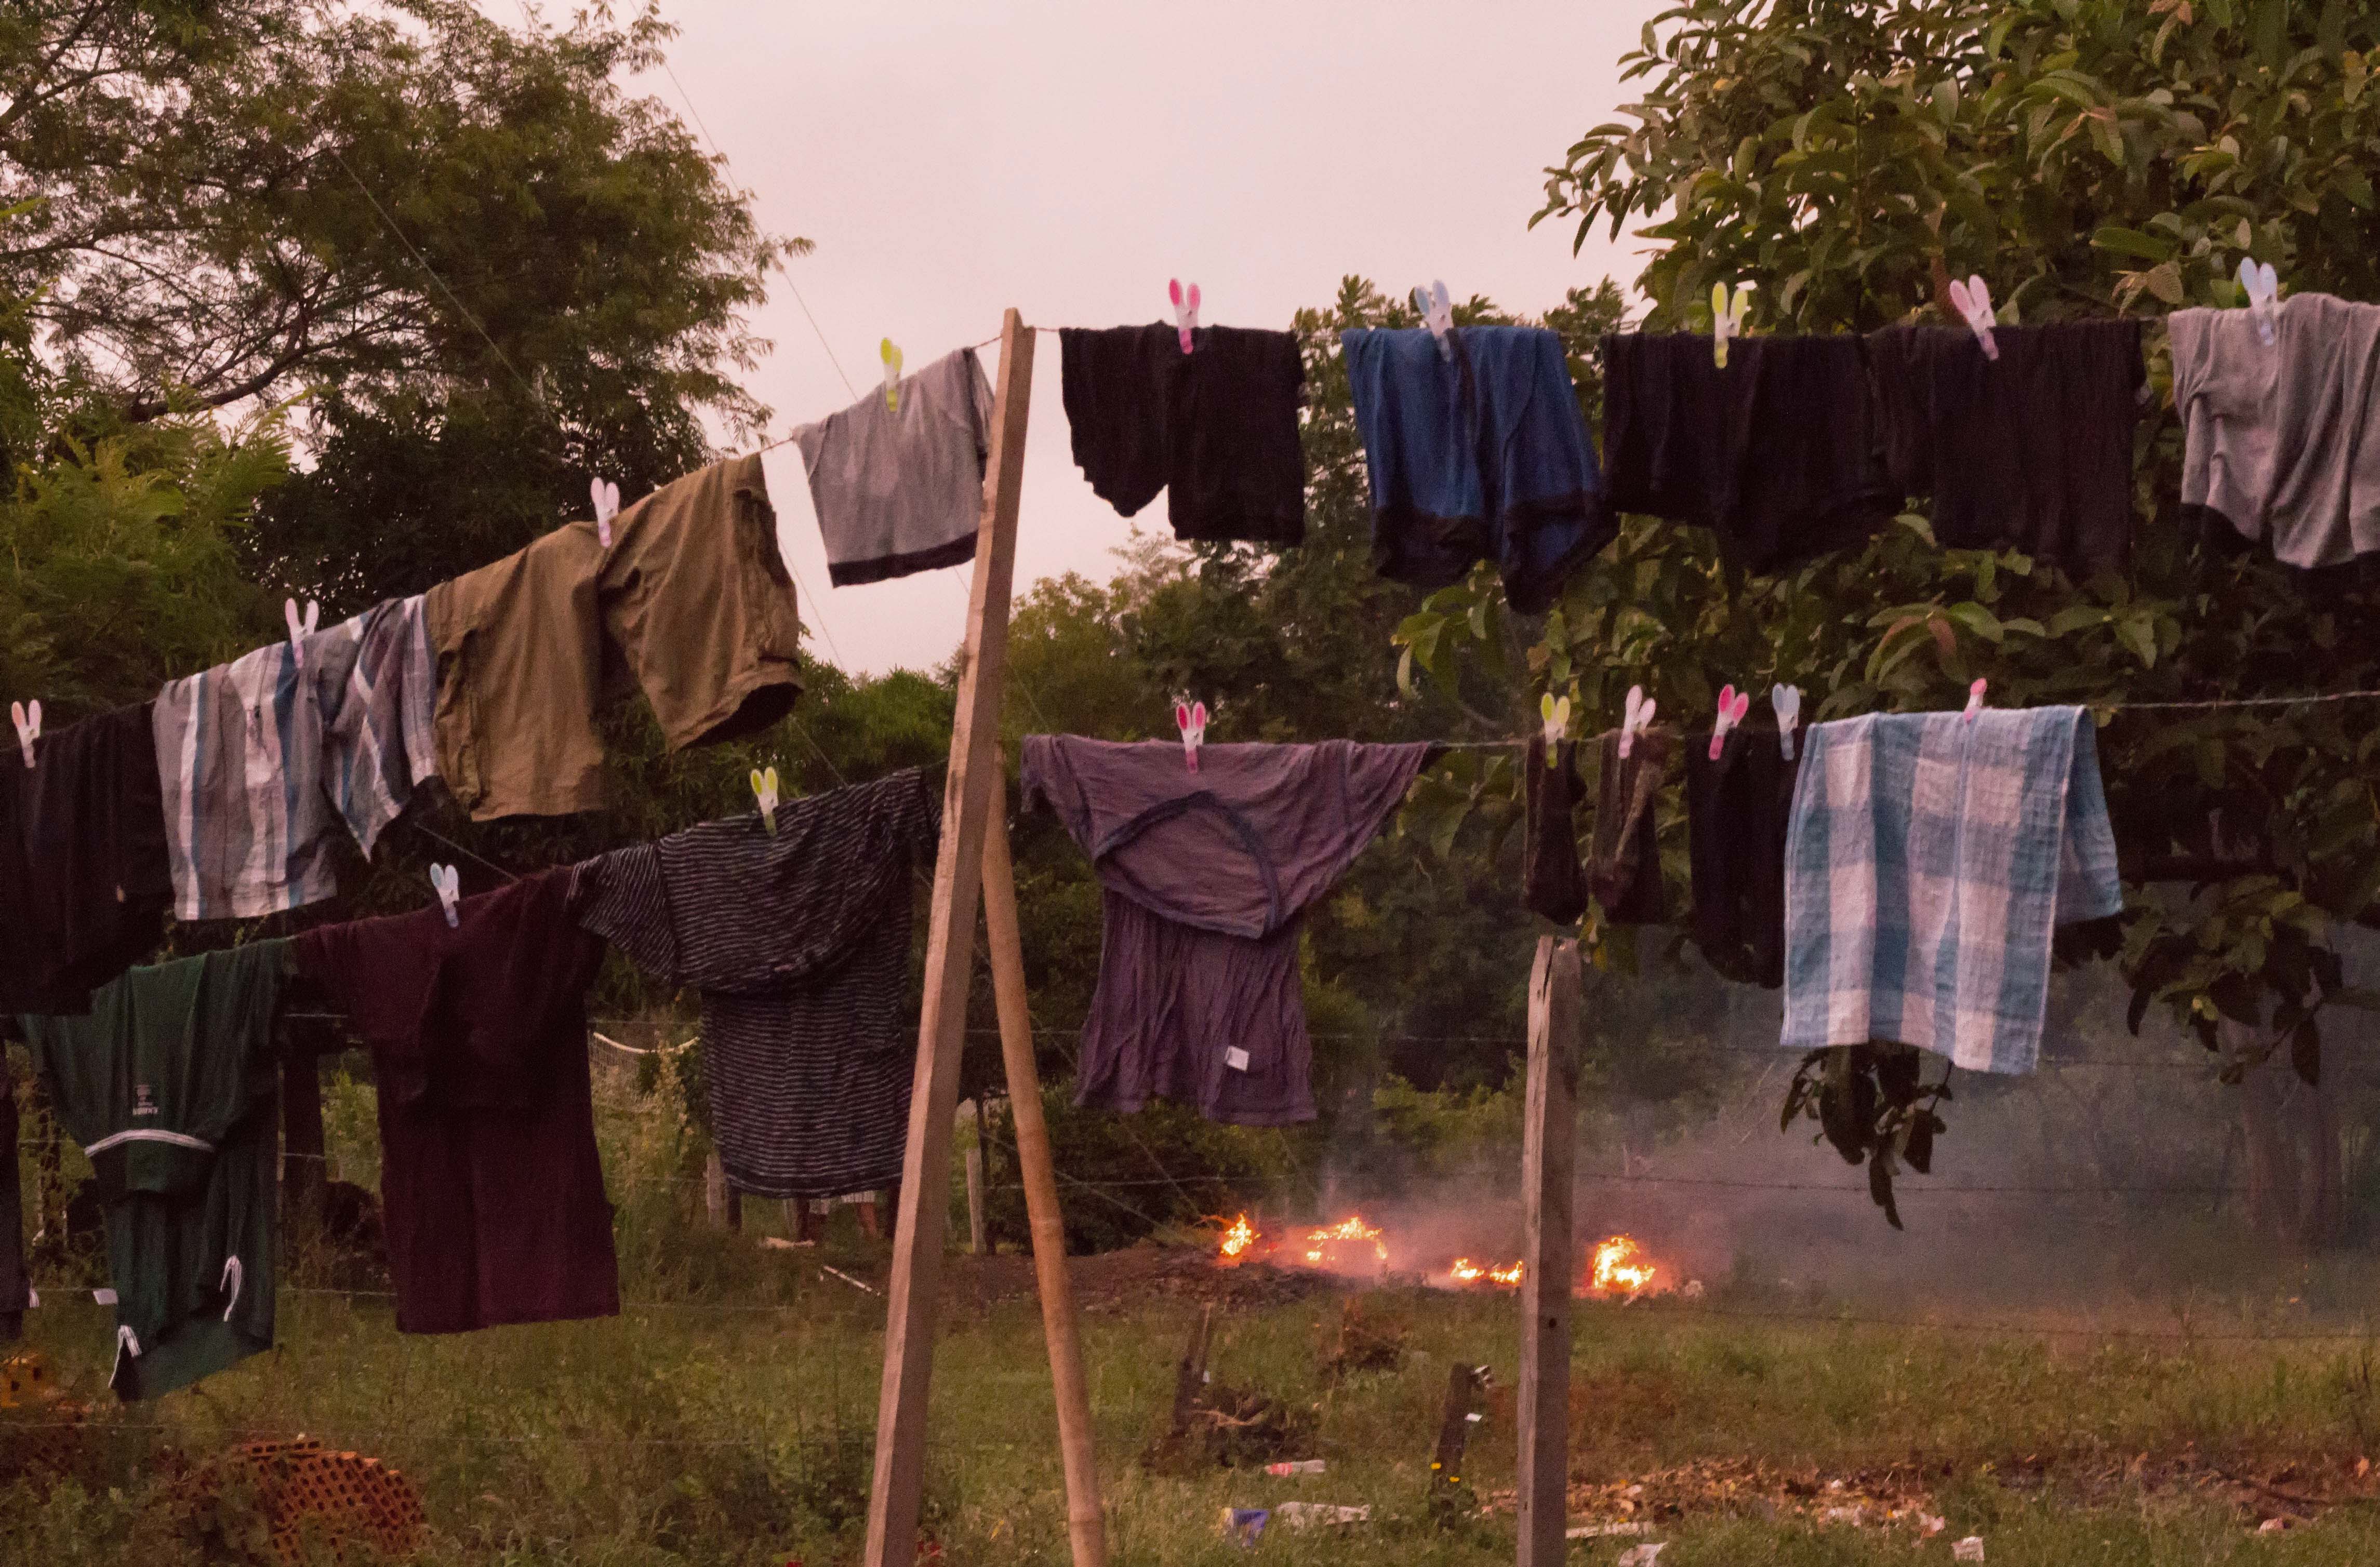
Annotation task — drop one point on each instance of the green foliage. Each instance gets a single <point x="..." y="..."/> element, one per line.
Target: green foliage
<point x="2088" y="157"/>
<point x="119" y="562"/>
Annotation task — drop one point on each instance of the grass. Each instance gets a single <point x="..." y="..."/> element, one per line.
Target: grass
<point x="726" y="1416"/>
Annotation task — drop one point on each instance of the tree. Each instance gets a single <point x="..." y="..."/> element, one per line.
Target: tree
<point x="488" y="269"/>
<point x="2088" y="157"/>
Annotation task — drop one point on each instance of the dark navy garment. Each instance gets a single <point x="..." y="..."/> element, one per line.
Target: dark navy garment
<point x="1480" y="456"/>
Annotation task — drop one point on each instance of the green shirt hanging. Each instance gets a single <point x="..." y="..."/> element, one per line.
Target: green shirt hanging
<point x="168" y="1086"/>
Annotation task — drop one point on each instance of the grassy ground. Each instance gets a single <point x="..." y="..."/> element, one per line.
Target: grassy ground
<point x="726" y="1417"/>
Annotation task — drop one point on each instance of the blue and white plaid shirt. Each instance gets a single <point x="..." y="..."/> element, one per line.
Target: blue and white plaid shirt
<point x="1928" y="860"/>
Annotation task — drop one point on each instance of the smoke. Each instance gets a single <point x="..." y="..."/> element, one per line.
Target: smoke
<point x="2108" y="1184"/>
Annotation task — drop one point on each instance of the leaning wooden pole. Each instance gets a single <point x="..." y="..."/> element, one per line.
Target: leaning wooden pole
<point x="967" y="803"/>
<point x="1085" y="1524"/>
<point x="1548" y="1144"/>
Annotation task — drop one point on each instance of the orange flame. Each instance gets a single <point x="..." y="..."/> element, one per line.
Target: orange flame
<point x="1508" y="1277"/>
<point x="1463" y="1271"/>
<point x="1238" y="1238"/>
<point x="1622" y="1267"/>
<point x="1320" y="1242"/>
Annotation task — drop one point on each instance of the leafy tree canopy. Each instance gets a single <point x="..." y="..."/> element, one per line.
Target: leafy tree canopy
<point x="2087" y="158"/>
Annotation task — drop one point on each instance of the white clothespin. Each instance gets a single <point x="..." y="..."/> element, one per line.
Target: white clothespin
<point x="2263" y="287"/>
<point x="764" y="787"/>
<point x="1787" y="700"/>
<point x="1437" y="314"/>
<point x="607" y="506"/>
<point x="892" y="357"/>
<point x="449" y="887"/>
<point x="1973" y="300"/>
<point x="28" y="727"/>
<point x="1637" y="718"/>
<point x="1727" y="319"/>
<point x="1732" y="706"/>
<point x="1974" y="702"/>
<point x="300" y="628"/>
<point x="1186" y="311"/>
<point x="1192" y="721"/>
<point x="233" y="1278"/>
<point x="1556" y="716"/>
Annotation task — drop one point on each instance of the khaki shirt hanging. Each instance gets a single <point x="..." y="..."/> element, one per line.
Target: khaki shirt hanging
<point x="692" y="601"/>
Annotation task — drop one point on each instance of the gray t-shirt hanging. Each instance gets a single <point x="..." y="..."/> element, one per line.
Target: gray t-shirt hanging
<point x="2276" y="436"/>
<point x="1207" y="875"/>
<point x="900" y="490"/>
<point x="799" y="942"/>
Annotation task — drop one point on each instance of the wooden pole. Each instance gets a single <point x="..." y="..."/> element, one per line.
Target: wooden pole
<point x="1455" y="1423"/>
<point x="1549" y="1143"/>
<point x="1085" y="1524"/>
<point x="304" y="1173"/>
<point x="978" y="1242"/>
<point x="901" y="1411"/>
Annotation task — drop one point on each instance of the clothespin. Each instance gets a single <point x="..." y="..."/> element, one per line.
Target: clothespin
<point x="1191" y="719"/>
<point x="299" y="629"/>
<point x="1556" y="716"/>
<point x="1787" y="700"/>
<point x="1186" y="311"/>
<point x="607" y="506"/>
<point x="1437" y="314"/>
<point x="449" y="887"/>
<point x="1732" y="706"/>
<point x="2263" y="287"/>
<point x="1974" y="702"/>
<point x="892" y="357"/>
<point x="764" y="785"/>
<point x="1636" y="718"/>
<point x="1727" y="319"/>
<point x="1974" y="299"/>
<point x="29" y="727"/>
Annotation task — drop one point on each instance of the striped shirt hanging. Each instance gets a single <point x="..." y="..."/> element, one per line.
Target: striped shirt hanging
<point x="799" y="943"/>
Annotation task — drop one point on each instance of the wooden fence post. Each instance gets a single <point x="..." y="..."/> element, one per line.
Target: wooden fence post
<point x="979" y="1243"/>
<point x="1548" y="1149"/>
<point x="910" y="1308"/>
<point x="1086" y="1522"/>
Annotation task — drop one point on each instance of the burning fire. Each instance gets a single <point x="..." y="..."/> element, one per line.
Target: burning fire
<point x="1463" y="1271"/>
<point x="1351" y="1229"/>
<point x="1238" y="1238"/>
<point x="1622" y="1267"/>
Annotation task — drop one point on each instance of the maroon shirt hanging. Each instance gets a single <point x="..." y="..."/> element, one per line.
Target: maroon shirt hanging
<point x="491" y="1190"/>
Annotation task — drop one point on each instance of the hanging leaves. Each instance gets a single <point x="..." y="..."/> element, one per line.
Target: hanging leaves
<point x="1871" y="1106"/>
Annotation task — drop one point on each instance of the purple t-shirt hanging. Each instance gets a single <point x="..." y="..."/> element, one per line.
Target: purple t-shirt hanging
<point x="1207" y="874"/>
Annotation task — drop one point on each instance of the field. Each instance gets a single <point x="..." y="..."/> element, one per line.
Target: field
<point x="726" y="1416"/>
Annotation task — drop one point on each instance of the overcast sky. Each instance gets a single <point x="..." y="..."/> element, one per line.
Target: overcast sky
<point x="950" y="161"/>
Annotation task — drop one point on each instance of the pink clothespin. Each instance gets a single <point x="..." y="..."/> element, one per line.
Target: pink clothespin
<point x="607" y="506"/>
<point x="2263" y="287"/>
<point x="1437" y="314"/>
<point x="1787" y="700"/>
<point x="1186" y="311"/>
<point x="300" y="628"/>
<point x="1192" y="721"/>
<point x="1732" y="706"/>
<point x="449" y="887"/>
<point x="1973" y="300"/>
<point x="1974" y="702"/>
<point x="29" y="727"/>
<point x="1635" y="719"/>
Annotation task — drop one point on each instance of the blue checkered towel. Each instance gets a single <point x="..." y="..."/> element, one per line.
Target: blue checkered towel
<point x="1927" y="863"/>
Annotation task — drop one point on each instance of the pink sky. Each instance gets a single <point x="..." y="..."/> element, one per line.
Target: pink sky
<point x="1067" y="159"/>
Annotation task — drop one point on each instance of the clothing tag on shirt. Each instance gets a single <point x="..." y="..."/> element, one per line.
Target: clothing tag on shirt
<point x="1235" y="1058"/>
<point x="102" y="1297"/>
<point x="142" y="1103"/>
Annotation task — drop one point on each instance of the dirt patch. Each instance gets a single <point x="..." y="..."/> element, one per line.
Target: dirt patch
<point x="1112" y="1283"/>
<point x="2271" y="1496"/>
